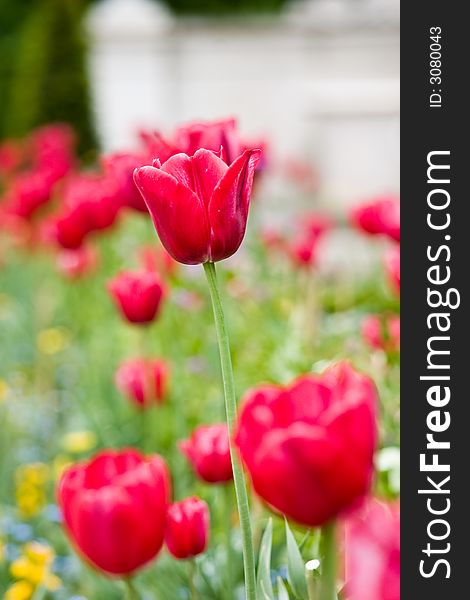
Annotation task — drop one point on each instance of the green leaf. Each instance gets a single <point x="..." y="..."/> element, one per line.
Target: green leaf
<point x="282" y="593"/>
<point x="264" y="585"/>
<point x="295" y="566"/>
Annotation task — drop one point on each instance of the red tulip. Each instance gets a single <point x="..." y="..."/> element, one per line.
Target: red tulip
<point x="209" y="453"/>
<point x="211" y="135"/>
<point x="188" y="138"/>
<point x="143" y="381"/>
<point x="303" y="252"/>
<point x="157" y="146"/>
<point x="392" y="268"/>
<point x="69" y="229"/>
<point x="11" y="153"/>
<point x="187" y="528"/>
<point x="383" y="335"/>
<point x="115" y="507"/>
<point x="74" y="264"/>
<point x="29" y="192"/>
<point x="303" y="249"/>
<point x="373" y="553"/>
<point x="88" y="204"/>
<point x="137" y="295"/>
<point x="379" y="217"/>
<point x="309" y="446"/>
<point x="53" y="149"/>
<point x="198" y="204"/>
<point x="121" y="167"/>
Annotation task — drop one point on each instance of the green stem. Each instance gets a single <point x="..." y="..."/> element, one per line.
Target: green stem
<point x="192" y="582"/>
<point x="131" y="590"/>
<point x="231" y="412"/>
<point x="328" y="578"/>
<point x="227" y="517"/>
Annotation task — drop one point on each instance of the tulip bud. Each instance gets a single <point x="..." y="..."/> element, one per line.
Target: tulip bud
<point x="187" y="528"/>
<point x="115" y="507"/>
<point x="137" y="295"/>
<point x="143" y="381"/>
<point x="208" y="451"/>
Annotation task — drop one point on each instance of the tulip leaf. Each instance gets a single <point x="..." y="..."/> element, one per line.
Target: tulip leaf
<point x="282" y="593"/>
<point x="295" y="566"/>
<point x="264" y="585"/>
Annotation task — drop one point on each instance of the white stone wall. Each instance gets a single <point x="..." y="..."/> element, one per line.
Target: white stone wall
<point x="321" y="82"/>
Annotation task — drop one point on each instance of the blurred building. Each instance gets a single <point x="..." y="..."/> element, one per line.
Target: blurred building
<point x="321" y="81"/>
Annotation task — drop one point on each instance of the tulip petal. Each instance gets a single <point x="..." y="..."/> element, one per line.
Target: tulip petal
<point x="178" y="214"/>
<point x="228" y="206"/>
<point x="208" y="172"/>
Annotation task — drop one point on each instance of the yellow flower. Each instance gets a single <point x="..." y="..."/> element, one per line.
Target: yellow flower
<point x="34" y="473"/>
<point x="21" y="590"/>
<point x="39" y="553"/>
<point x="31" y="481"/>
<point x="33" y="569"/>
<point x="77" y="442"/>
<point x="52" y="340"/>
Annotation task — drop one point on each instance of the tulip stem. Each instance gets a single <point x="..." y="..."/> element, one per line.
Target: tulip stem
<point x="227" y="517"/>
<point x="131" y="590"/>
<point x="192" y="582"/>
<point x="328" y="577"/>
<point x="231" y="413"/>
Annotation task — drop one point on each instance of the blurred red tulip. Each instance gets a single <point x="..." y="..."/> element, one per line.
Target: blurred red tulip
<point x="379" y="217"/>
<point x="115" y="508"/>
<point x="392" y="267"/>
<point x="211" y="135"/>
<point x="156" y="146"/>
<point x="143" y="381"/>
<point x="373" y="553"/>
<point x="138" y="295"/>
<point x="309" y="447"/>
<point x="303" y="249"/>
<point x="187" y="528"/>
<point x="10" y="156"/>
<point x="89" y="204"/>
<point x="383" y="334"/>
<point x="29" y="191"/>
<point x="53" y="149"/>
<point x="75" y="264"/>
<point x="199" y="205"/>
<point x="303" y="252"/>
<point x="121" y="167"/>
<point x="209" y="453"/>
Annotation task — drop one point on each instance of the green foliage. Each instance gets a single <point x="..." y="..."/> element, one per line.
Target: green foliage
<point x="295" y="566"/>
<point x="46" y="81"/>
<point x="224" y="7"/>
<point x="51" y="391"/>
<point x="264" y="585"/>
